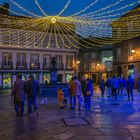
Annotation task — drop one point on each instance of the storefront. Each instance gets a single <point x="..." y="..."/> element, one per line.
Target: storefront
<point x="46" y="78"/>
<point x="68" y="77"/>
<point x="6" y="80"/>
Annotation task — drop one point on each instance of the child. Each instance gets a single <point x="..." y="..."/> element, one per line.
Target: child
<point x="60" y="96"/>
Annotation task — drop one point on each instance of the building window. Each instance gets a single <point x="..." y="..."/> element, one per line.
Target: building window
<point x="7" y="59"/>
<point x="21" y="59"/>
<point x="46" y="60"/>
<point x="85" y="55"/>
<point x="69" y="60"/>
<point x="93" y="66"/>
<point x="59" y="59"/>
<point x="93" y="55"/>
<point x="34" y="59"/>
<point x="85" y="66"/>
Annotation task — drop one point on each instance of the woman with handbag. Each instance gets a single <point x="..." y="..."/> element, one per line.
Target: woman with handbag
<point x="88" y="93"/>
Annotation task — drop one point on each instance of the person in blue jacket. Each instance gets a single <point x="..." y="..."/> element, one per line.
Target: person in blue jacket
<point x="130" y="87"/>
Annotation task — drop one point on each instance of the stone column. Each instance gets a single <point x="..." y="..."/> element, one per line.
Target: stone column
<point x="13" y="79"/>
<point x="40" y="78"/>
<point x="14" y="59"/>
<point x="28" y="60"/>
<point x="41" y="61"/>
<point x="0" y="81"/>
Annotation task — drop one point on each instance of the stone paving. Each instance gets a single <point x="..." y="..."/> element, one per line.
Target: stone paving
<point x="106" y="120"/>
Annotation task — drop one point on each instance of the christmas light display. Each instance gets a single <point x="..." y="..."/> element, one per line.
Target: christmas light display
<point x="79" y="29"/>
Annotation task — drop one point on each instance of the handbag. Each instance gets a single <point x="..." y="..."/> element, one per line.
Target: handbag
<point x="88" y="93"/>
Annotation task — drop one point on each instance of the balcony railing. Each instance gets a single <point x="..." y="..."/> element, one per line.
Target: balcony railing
<point x="60" y="66"/>
<point x="7" y="65"/>
<point x="69" y="67"/>
<point x="21" y="66"/>
<point x="34" y="66"/>
<point x="46" y="66"/>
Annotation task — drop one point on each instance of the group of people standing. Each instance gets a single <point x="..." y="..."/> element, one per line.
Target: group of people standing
<point x="78" y="89"/>
<point x="116" y="86"/>
<point x="25" y="90"/>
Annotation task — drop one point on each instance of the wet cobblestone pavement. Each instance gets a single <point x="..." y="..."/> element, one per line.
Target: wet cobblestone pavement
<point x="107" y="121"/>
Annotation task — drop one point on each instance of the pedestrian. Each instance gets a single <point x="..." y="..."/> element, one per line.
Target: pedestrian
<point x="18" y="91"/>
<point x="88" y="93"/>
<point x="115" y="86"/>
<point x="60" y="96"/>
<point x="123" y="86"/>
<point x="102" y="87"/>
<point x="83" y="85"/>
<point x="139" y="85"/>
<point x="130" y="87"/>
<point x="76" y="93"/>
<point x="108" y="85"/>
<point x="119" y="88"/>
<point x="32" y="89"/>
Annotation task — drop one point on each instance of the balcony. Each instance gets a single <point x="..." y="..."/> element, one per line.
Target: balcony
<point x="21" y="66"/>
<point x="34" y="66"/>
<point x="69" y="67"/>
<point x="7" y="65"/>
<point x="46" y="66"/>
<point x="60" y="66"/>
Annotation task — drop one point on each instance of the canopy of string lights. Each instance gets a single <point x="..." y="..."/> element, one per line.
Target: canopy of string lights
<point x="106" y="25"/>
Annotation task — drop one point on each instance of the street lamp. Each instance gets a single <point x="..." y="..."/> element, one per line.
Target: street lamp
<point x="78" y="62"/>
<point x="133" y="51"/>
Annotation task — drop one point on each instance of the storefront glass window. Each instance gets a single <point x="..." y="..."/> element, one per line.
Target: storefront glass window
<point x="7" y="80"/>
<point x="68" y="77"/>
<point x="46" y="78"/>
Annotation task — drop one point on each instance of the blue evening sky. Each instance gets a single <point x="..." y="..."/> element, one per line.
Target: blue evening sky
<point x="52" y="7"/>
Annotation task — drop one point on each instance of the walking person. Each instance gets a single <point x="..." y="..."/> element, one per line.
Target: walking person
<point x="130" y="87"/>
<point x="115" y="86"/>
<point x="76" y="92"/>
<point x="88" y="93"/>
<point x="102" y="87"/>
<point x="108" y="85"/>
<point x="139" y="85"/>
<point x="32" y="88"/>
<point x="18" y="91"/>
<point x="83" y="85"/>
<point x="123" y="86"/>
<point x="119" y="88"/>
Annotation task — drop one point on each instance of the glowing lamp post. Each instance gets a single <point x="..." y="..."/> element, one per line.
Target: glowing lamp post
<point x="133" y="51"/>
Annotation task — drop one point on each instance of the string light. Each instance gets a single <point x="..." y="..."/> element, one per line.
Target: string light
<point x="59" y="27"/>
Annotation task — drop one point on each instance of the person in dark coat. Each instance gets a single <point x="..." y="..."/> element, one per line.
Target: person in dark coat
<point x="123" y="86"/>
<point x="88" y="93"/>
<point x="18" y="91"/>
<point x="130" y="87"/>
<point x="139" y="85"/>
<point x="108" y="84"/>
<point x="32" y="88"/>
<point x="102" y="87"/>
<point x="83" y="85"/>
